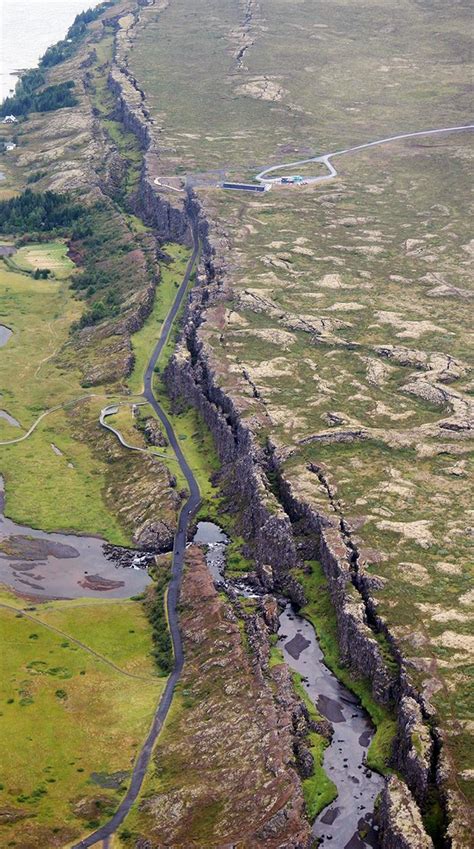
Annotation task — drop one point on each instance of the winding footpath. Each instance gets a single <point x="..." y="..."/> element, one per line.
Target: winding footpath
<point x="40" y="418"/>
<point x="111" y="410"/>
<point x="179" y="548"/>
<point x="325" y="158"/>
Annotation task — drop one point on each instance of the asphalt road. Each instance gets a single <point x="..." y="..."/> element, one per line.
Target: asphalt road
<point x="325" y="158"/>
<point x="189" y="508"/>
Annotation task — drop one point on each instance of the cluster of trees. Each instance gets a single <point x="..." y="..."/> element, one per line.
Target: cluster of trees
<point x="92" y="280"/>
<point x="38" y="211"/>
<point x="64" y="49"/>
<point x="41" y="215"/>
<point x="30" y="100"/>
<point x="162" y="646"/>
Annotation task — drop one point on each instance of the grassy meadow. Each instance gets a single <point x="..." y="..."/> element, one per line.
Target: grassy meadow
<point x="80" y="720"/>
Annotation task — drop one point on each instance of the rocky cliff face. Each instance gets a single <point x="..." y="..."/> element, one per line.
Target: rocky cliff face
<point x="400" y="822"/>
<point x="267" y="520"/>
<point x="413" y="749"/>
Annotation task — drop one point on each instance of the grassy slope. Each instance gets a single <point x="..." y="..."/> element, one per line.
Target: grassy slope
<point x="39" y="313"/>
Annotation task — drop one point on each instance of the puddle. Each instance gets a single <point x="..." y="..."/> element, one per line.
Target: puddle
<point x="8" y="418"/>
<point x="5" y="334"/>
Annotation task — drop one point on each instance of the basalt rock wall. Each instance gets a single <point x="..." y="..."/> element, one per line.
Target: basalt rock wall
<point x="265" y="520"/>
<point x="268" y="522"/>
<point x="401" y="826"/>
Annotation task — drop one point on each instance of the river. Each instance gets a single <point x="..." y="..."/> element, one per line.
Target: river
<point x="27" y="28"/>
<point x="348" y="822"/>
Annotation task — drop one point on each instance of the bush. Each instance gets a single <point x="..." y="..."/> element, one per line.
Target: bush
<point x="155" y="607"/>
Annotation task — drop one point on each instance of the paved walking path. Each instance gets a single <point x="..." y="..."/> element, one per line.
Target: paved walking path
<point x="325" y="158"/>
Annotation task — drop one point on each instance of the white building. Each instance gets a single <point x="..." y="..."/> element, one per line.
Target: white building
<point x="10" y="119"/>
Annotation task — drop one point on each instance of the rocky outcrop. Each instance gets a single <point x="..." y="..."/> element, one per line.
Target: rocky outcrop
<point x="401" y="826"/>
<point x="413" y="749"/>
<point x="154" y="536"/>
<point x="242" y="772"/>
<point x="154" y="434"/>
<point x="358" y="646"/>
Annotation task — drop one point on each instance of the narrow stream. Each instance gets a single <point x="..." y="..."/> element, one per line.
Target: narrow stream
<point x="347" y="822"/>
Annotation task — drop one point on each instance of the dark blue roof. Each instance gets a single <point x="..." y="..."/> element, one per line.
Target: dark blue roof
<point x="246" y="187"/>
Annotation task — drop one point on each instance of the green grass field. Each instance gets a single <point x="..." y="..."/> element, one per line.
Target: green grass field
<point x="40" y="313"/>
<point x="75" y="715"/>
<point x="46" y="255"/>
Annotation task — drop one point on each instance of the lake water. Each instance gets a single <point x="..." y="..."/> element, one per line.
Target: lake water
<point x="27" y="28"/>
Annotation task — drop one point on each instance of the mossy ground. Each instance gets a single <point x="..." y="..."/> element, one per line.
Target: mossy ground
<point x="319" y="791"/>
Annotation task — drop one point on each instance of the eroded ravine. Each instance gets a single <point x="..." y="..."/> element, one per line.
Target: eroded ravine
<point x="348" y="822"/>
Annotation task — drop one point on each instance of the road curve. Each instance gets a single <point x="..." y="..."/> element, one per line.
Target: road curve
<point x="325" y="158"/>
<point x="189" y="508"/>
<point x="47" y="413"/>
<point x="110" y="410"/>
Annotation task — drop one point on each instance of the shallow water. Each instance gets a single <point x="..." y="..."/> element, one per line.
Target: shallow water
<point x="344" y="760"/>
<point x="342" y="823"/>
<point x="61" y="565"/>
<point x="215" y="539"/>
<point x="5" y="334"/>
<point x="10" y="419"/>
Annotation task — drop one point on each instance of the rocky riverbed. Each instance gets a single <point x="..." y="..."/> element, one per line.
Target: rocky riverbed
<point x="348" y="822"/>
